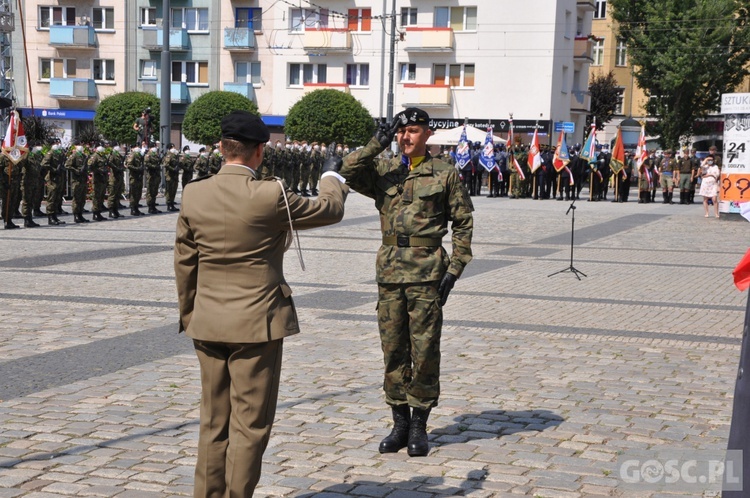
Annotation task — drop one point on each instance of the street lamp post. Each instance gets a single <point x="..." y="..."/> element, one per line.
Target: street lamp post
<point x="165" y="105"/>
<point x="389" y="105"/>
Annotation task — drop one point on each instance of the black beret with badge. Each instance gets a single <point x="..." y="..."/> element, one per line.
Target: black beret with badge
<point x="244" y="126"/>
<point x="412" y="116"/>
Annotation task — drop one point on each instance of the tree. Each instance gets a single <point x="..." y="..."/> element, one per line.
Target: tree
<point x="605" y="95"/>
<point x="116" y="114"/>
<point x="329" y="115"/>
<point x="38" y="131"/>
<point x="202" y="123"/>
<point x="685" y="54"/>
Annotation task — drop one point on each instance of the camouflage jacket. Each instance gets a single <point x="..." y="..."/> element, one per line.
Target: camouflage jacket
<point x="97" y="164"/>
<point x="416" y="203"/>
<point x="152" y="163"/>
<point x="116" y="163"/>
<point x="200" y="166"/>
<point x="76" y="164"/>
<point x="134" y="163"/>
<point x="171" y="164"/>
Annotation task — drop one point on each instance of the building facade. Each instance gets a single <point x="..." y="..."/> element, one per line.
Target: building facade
<point x="475" y="60"/>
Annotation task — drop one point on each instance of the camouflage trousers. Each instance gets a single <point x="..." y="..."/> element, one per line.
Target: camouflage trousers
<point x="99" y="193"/>
<point x="170" y="188"/>
<point x="78" y="188"/>
<point x="136" y="190"/>
<point x="410" y="320"/>
<point x="54" y="196"/>
<point x="116" y="188"/>
<point x="304" y="176"/>
<point x="153" y="180"/>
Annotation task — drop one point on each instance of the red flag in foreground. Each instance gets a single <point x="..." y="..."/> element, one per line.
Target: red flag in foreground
<point x="618" y="154"/>
<point x="14" y="143"/>
<point x="741" y="273"/>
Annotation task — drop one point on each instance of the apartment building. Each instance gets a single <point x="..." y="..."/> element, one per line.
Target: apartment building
<point x="475" y="60"/>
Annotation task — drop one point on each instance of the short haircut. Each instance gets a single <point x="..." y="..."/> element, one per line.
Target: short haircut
<point x="235" y="148"/>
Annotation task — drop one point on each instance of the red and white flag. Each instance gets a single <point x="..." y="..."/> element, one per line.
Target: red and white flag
<point x="535" y="158"/>
<point x="518" y="167"/>
<point x="14" y="144"/>
<point x="641" y="153"/>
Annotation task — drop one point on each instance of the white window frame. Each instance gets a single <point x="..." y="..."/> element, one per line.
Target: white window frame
<point x="51" y="61"/>
<point x="191" y="16"/>
<point x="408" y="14"/>
<point x="300" y="68"/>
<point x="256" y="22"/>
<point x="106" y="62"/>
<point x="620" y="108"/>
<point x="404" y="71"/>
<point x="148" y="16"/>
<point x="359" y="69"/>
<point x="103" y="13"/>
<point x="462" y="74"/>
<point x="621" y="54"/>
<point x="50" y="9"/>
<point x="184" y="65"/>
<point x="600" y="10"/>
<point x="466" y="26"/>
<point x="597" y="52"/>
<point x="148" y="68"/>
<point x="252" y="71"/>
<point x="313" y="19"/>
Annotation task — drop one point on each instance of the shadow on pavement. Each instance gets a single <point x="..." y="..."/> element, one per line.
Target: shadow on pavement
<point x="416" y="487"/>
<point x="493" y="424"/>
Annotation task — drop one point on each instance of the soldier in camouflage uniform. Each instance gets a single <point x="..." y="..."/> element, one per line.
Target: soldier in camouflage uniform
<point x="134" y="163"/>
<point x="38" y="195"/>
<point x="200" y="166"/>
<point x="31" y="171"/>
<point x="97" y="164"/>
<point x="186" y="165"/>
<point x="416" y="196"/>
<point x="79" y="176"/>
<point x="316" y="163"/>
<point x="302" y="172"/>
<point x="266" y="167"/>
<point x="214" y="161"/>
<point x="152" y="165"/>
<point x="115" y="161"/>
<point x="54" y="171"/>
<point x="6" y="189"/>
<point x="171" y="165"/>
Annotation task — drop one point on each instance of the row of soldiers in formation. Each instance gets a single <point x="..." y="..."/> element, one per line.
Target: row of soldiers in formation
<point x="567" y="183"/>
<point x="98" y="172"/>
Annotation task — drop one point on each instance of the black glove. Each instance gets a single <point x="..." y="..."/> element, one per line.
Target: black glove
<point x="446" y="284"/>
<point x="386" y="131"/>
<point x="333" y="163"/>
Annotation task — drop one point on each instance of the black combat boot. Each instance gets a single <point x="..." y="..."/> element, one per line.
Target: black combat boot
<point x="399" y="436"/>
<point x="664" y="197"/>
<point x="304" y="193"/>
<point x="9" y="224"/>
<point x="670" y="197"/>
<point x="152" y="209"/>
<point x="418" y="445"/>
<point x="172" y="207"/>
<point x="113" y="213"/>
<point x="38" y="212"/>
<point x="78" y="218"/>
<point x="314" y="191"/>
<point x="98" y="216"/>
<point x="52" y="220"/>
<point x="54" y="216"/>
<point x="28" y="222"/>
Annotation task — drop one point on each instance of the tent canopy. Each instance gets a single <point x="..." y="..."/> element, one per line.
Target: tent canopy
<point x="453" y="135"/>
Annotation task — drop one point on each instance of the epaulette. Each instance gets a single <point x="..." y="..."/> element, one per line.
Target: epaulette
<point x="271" y="179"/>
<point x="201" y="178"/>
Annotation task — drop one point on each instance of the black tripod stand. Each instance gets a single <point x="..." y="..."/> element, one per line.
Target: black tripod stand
<point x="571" y="268"/>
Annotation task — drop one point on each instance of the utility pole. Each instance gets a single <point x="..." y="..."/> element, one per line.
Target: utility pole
<point x="165" y="106"/>
<point x="391" y="70"/>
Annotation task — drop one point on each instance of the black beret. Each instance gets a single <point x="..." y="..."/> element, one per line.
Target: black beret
<point x="244" y="126"/>
<point x="413" y="115"/>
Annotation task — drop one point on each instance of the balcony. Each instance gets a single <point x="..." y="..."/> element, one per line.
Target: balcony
<point x="580" y="101"/>
<point x="327" y="40"/>
<point x="582" y="49"/>
<point x="72" y="36"/>
<point x="426" y="95"/>
<point x="311" y="87"/>
<point x="72" y="88"/>
<point x="245" y="89"/>
<point x="428" y="40"/>
<point x="180" y="94"/>
<point x="179" y="41"/>
<point x="586" y="5"/>
<point x="239" y="39"/>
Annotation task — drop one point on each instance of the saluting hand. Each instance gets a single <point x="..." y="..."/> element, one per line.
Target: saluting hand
<point x="385" y="132"/>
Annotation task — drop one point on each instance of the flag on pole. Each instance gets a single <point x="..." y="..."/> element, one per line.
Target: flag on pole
<point x="617" y="163"/>
<point x="487" y="157"/>
<point x="562" y="156"/>
<point x="641" y="153"/>
<point x="589" y="148"/>
<point x="463" y="151"/>
<point x="535" y="158"/>
<point x="14" y="144"/>
<point x="517" y="166"/>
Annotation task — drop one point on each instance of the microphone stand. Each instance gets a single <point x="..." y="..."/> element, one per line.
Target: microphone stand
<point x="571" y="268"/>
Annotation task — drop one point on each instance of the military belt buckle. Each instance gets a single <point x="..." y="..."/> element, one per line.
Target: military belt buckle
<point x="402" y="240"/>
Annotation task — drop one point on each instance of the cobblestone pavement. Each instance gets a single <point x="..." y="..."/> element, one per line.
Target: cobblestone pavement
<point x="548" y="382"/>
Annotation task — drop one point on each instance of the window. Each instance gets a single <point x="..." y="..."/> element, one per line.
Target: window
<point x="408" y="73"/>
<point x="299" y="74"/>
<point x="620" y="101"/>
<point x="148" y="69"/>
<point x="568" y="26"/>
<point x="565" y="85"/>
<point x="247" y="72"/>
<point x="301" y="19"/>
<point x="248" y="18"/>
<point x="359" y="20"/>
<point x="454" y="75"/>
<point x="57" y="16"/>
<point x="190" y="19"/>
<point x="358" y="74"/>
<point x="598" y="52"/>
<point x="456" y="18"/>
<point x="621" y="54"/>
<point x="408" y="16"/>
<point x="57" y="68"/>
<point x="148" y="16"/>
<point x="103" y="18"/>
<point x="190" y="72"/>
<point x="600" y="11"/>
<point x="104" y="70"/>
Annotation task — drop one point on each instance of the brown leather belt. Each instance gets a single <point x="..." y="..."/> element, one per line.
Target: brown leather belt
<point x="406" y="241"/>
